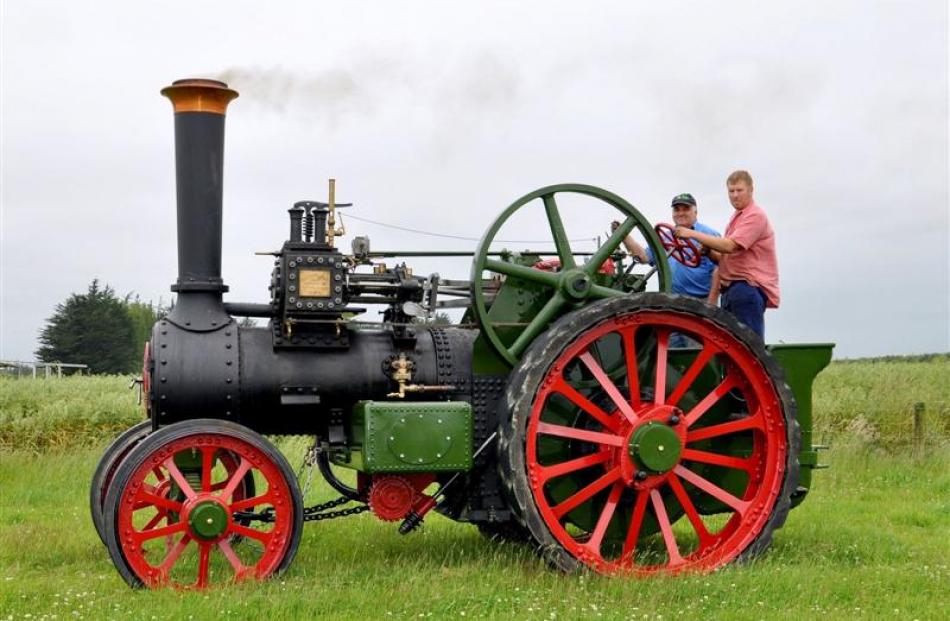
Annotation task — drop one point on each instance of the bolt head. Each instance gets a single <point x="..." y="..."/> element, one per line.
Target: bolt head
<point x="640" y="475"/>
<point x="674" y="420"/>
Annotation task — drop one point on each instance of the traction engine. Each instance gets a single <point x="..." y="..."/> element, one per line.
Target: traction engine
<point x="555" y="414"/>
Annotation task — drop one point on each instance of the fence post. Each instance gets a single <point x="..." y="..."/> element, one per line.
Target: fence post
<point x="918" y="441"/>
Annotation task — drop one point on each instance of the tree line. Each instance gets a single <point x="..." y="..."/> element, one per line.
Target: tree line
<point x="108" y="333"/>
<point x="99" y="329"/>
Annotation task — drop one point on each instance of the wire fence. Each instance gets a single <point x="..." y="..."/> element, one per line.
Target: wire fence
<point x="44" y="370"/>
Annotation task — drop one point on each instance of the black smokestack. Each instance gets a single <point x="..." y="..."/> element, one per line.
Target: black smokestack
<point x="200" y="107"/>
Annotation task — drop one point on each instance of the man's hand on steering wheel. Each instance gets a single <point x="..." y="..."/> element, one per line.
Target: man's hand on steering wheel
<point x="678" y="243"/>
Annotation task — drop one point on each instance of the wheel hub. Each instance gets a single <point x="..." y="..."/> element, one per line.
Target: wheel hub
<point x="208" y="520"/>
<point x="575" y="284"/>
<point x="655" y="447"/>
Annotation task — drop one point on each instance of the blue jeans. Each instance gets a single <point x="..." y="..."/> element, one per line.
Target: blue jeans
<point x="747" y="303"/>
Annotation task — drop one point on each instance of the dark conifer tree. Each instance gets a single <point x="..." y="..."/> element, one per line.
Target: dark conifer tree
<point x="94" y="329"/>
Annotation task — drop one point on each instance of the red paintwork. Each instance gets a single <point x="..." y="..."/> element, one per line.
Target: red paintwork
<point x="148" y="489"/>
<point x="683" y="250"/>
<point x="392" y="496"/>
<point x="612" y="471"/>
<point x="554" y="265"/>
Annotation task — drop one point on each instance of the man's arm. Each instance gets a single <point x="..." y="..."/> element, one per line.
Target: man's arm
<point x="722" y="245"/>
<point x="631" y="245"/>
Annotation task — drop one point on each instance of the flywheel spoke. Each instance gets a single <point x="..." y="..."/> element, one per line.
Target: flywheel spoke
<point x="546" y="473"/>
<point x="236" y="478"/>
<point x="613" y="242"/>
<point x="537" y="325"/>
<point x="662" y="347"/>
<point x="561" y="243"/>
<point x="600" y="292"/>
<point x="609" y="387"/>
<point x="756" y="422"/>
<point x="636" y="522"/>
<point x="240" y="569"/>
<point x="705" y="537"/>
<point x="248" y="503"/>
<point x="151" y="500"/>
<point x="711" y="399"/>
<point x="713" y="490"/>
<point x="729" y="461"/>
<point x="585" y="405"/>
<point x="573" y="433"/>
<point x="204" y="560"/>
<point x="666" y="528"/>
<point x="263" y="537"/>
<point x="628" y="336"/>
<point x="524" y="273"/>
<point x="179" y="478"/>
<point x="173" y="555"/>
<point x="154" y="533"/>
<point x="586" y="493"/>
<point x="597" y="538"/>
<point x="690" y="376"/>
<point x="152" y="523"/>
<point x="207" y="465"/>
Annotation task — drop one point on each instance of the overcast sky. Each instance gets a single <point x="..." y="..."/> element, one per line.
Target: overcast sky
<point x="436" y="116"/>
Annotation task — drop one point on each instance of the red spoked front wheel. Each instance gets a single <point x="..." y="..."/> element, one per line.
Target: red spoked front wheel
<point x="202" y="502"/>
<point x="628" y="456"/>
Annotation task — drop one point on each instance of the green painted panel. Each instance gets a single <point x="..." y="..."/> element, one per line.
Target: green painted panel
<point x="412" y="436"/>
<point x="802" y="363"/>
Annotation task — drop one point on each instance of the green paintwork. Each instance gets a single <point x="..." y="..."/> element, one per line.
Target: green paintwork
<point x="558" y="293"/>
<point x="655" y="447"/>
<point x="409" y="436"/>
<point x="208" y="520"/>
<point x="802" y="363"/>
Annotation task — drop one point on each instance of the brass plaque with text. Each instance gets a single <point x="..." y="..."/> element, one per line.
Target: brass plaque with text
<point x="315" y="283"/>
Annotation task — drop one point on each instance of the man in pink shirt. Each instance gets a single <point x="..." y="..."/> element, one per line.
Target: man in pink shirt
<point x="748" y="267"/>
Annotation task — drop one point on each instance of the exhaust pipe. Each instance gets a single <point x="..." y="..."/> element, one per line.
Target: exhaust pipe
<point x="200" y="107"/>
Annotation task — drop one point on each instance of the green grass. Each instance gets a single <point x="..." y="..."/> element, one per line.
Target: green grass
<point x="40" y="415"/>
<point x="870" y="541"/>
<point x="872" y="402"/>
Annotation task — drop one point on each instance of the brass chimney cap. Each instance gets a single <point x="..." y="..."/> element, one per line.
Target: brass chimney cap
<point x="199" y="95"/>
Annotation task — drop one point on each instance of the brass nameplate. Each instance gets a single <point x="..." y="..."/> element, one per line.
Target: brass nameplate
<point x="315" y="283"/>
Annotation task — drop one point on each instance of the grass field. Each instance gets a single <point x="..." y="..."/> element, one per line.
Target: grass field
<point x="871" y="541"/>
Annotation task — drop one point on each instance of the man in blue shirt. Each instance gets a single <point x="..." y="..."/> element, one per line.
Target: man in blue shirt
<point x="692" y="281"/>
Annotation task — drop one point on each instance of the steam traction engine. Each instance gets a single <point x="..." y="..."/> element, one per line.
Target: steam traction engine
<point x="556" y="413"/>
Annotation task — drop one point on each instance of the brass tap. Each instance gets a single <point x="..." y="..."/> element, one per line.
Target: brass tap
<point x="332" y="231"/>
<point x="402" y="374"/>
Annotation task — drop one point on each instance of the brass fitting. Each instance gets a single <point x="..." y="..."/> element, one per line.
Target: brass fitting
<point x="402" y="374"/>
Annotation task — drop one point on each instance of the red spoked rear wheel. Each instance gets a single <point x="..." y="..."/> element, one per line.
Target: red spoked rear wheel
<point x="200" y="503"/>
<point x="640" y="458"/>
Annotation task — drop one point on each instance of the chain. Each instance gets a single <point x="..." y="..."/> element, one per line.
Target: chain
<point x="315" y="513"/>
<point x="310" y="514"/>
<point x="309" y="459"/>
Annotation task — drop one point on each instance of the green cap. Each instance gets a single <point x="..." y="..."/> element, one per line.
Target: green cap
<point x="683" y="199"/>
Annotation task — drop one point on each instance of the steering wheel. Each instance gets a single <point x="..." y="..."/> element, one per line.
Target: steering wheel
<point x="683" y="250"/>
<point x="573" y="285"/>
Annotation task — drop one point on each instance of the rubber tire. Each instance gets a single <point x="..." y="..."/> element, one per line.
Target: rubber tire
<point x="526" y="378"/>
<point x="105" y="471"/>
<point x="174" y="432"/>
